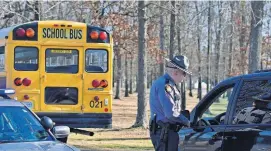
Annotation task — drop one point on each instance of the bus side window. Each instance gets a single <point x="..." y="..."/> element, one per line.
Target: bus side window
<point x="2" y="58"/>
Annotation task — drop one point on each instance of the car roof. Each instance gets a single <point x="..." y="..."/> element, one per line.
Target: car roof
<point x="10" y="102"/>
<point x="260" y="73"/>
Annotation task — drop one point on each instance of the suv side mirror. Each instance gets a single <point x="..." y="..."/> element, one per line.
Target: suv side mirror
<point x="186" y="113"/>
<point x="61" y="132"/>
<point x="47" y="123"/>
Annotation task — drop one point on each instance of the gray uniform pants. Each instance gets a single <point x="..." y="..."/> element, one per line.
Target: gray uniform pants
<point x="172" y="143"/>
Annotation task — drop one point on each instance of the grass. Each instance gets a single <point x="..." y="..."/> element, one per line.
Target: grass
<point x="217" y="108"/>
<point x="121" y="137"/>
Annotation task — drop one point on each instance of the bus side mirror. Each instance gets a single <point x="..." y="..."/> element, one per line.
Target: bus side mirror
<point x="186" y="113"/>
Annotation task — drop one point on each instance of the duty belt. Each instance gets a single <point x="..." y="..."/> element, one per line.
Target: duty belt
<point x="173" y="127"/>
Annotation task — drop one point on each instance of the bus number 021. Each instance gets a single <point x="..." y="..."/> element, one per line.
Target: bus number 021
<point x="96" y="104"/>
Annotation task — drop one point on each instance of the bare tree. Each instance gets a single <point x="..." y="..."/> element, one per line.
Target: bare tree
<point x="117" y="95"/>
<point x="172" y="30"/>
<point x="256" y="36"/>
<point x="218" y="35"/>
<point x="36" y="10"/>
<point x="131" y="75"/>
<point x="209" y="46"/>
<point x="198" y="52"/>
<point x="162" y="38"/>
<point x="231" y="40"/>
<point x="141" y="118"/>
<point x="126" y="76"/>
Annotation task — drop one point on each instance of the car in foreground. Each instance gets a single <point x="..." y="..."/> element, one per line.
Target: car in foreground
<point x="23" y="130"/>
<point x="213" y="125"/>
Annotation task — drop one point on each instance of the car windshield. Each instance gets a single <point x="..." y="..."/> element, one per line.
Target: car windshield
<point x="17" y="124"/>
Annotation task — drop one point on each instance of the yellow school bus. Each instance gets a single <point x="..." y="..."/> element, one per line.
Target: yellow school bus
<point x="60" y="69"/>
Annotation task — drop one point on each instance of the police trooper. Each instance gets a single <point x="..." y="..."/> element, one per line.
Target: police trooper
<point x="165" y="106"/>
<point x="260" y="113"/>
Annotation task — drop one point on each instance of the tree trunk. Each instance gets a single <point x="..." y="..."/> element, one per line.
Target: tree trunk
<point x="179" y="35"/>
<point x="172" y="30"/>
<point x="148" y="81"/>
<point x="242" y="40"/>
<point x="117" y="96"/>
<point x="36" y="10"/>
<point x="136" y="90"/>
<point x="183" y="103"/>
<point x="183" y="91"/>
<point x="151" y="76"/>
<point x="209" y="49"/>
<point x="126" y="76"/>
<point x="198" y="54"/>
<point x="131" y="76"/>
<point x="162" y="39"/>
<point x="256" y="36"/>
<point x="26" y="12"/>
<point x="190" y="86"/>
<point x="218" y="35"/>
<point x="121" y="83"/>
<point x="114" y="70"/>
<point x="59" y="12"/>
<point x="141" y="118"/>
<point x="231" y="41"/>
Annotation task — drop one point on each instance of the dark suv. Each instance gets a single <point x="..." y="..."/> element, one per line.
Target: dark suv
<point x="212" y="127"/>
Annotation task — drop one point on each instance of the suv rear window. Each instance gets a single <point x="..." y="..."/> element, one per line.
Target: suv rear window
<point x="26" y="58"/>
<point x="61" y="60"/>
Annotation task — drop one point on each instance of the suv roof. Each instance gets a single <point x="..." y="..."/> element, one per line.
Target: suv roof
<point x="258" y="73"/>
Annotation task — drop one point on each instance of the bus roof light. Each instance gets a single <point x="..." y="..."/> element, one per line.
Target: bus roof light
<point x="20" y="32"/>
<point x="94" y="35"/>
<point x="55" y="25"/>
<point x="103" y="35"/>
<point x="30" y="32"/>
<point x="26" y="82"/>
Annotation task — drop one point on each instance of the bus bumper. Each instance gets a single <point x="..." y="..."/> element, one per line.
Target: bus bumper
<point x="80" y="120"/>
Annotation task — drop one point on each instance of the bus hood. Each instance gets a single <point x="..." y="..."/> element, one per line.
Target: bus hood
<point x="37" y="146"/>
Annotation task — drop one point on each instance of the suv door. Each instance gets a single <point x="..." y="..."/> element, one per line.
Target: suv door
<point x="242" y="136"/>
<point x="207" y="118"/>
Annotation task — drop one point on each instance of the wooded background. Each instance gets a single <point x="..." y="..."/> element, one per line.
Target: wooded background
<point x="221" y="38"/>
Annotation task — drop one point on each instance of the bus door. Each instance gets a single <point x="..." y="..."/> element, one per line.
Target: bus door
<point x="97" y="93"/>
<point x="61" y="79"/>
